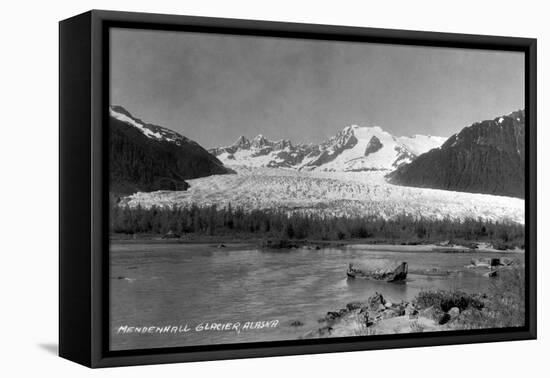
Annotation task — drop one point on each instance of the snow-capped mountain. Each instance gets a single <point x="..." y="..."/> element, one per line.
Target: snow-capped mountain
<point x="355" y="148"/>
<point x="261" y="152"/>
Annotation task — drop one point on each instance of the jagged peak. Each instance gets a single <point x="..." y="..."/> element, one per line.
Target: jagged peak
<point x="350" y="128"/>
<point x="241" y="141"/>
<point x="354" y="127"/>
<point x="260" y="141"/>
<point x="282" y="144"/>
<point x="364" y="132"/>
<point x="260" y="138"/>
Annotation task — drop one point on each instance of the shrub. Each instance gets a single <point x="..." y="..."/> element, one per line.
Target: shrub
<point x="502" y="307"/>
<point x="445" y="300"/>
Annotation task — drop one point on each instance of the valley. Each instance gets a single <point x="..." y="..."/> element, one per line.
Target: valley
<point x="361" y="171"/>
<point x="331" y="194"/>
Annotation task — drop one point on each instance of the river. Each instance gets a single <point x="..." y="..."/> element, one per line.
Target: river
<point x="186" y="286"/>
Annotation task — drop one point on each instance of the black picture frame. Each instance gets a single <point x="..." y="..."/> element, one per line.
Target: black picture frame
<point x="83" y="232"/>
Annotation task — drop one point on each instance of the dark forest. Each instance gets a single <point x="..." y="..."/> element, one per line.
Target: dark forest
<point x="235" y="222"/>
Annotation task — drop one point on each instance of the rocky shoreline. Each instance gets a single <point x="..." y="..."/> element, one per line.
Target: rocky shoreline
<point x="430" y="311"/>
<point x="443" y="247"/>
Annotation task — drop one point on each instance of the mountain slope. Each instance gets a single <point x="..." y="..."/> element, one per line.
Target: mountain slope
<point x="352" y="149"/>
<point x="146" y="157"/>
<point x="418" y="144"/>
<point x="486" y="157"/>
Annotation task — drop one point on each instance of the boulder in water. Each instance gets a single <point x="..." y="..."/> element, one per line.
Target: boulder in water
<point x="389" y="275"/>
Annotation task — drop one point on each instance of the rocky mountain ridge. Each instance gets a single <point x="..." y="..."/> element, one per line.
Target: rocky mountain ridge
<point x="354" y="148"/>
<point x="486" y="157"/>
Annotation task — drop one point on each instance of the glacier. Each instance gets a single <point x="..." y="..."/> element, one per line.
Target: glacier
<point x="332" y="194"/>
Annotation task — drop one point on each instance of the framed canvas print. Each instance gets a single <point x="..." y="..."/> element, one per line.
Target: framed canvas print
<point x="233" y="188"/>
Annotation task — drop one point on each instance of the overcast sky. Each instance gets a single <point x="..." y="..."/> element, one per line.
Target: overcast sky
<point x="214" y="88"/>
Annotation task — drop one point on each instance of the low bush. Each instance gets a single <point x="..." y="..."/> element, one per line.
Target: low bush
<point x="503" y="306"/>
<point x="445" y="300"/>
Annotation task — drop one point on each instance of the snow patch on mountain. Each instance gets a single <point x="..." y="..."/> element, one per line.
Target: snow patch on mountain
<point x="419" y="144"/>
<point x="155" y="132"/>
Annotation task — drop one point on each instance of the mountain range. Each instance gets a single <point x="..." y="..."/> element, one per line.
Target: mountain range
<point x="354" y="148"/>
<point x="486" y="157"/>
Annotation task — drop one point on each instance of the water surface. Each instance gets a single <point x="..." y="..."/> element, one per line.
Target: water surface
<point x="188" y="285"/>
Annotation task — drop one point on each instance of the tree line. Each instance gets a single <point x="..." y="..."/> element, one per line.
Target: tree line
<point x="228" y="221"/>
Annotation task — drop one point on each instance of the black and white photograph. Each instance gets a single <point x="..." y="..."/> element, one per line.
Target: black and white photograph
<point x="272" y="189"/>
<point x="244" y="189"/>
